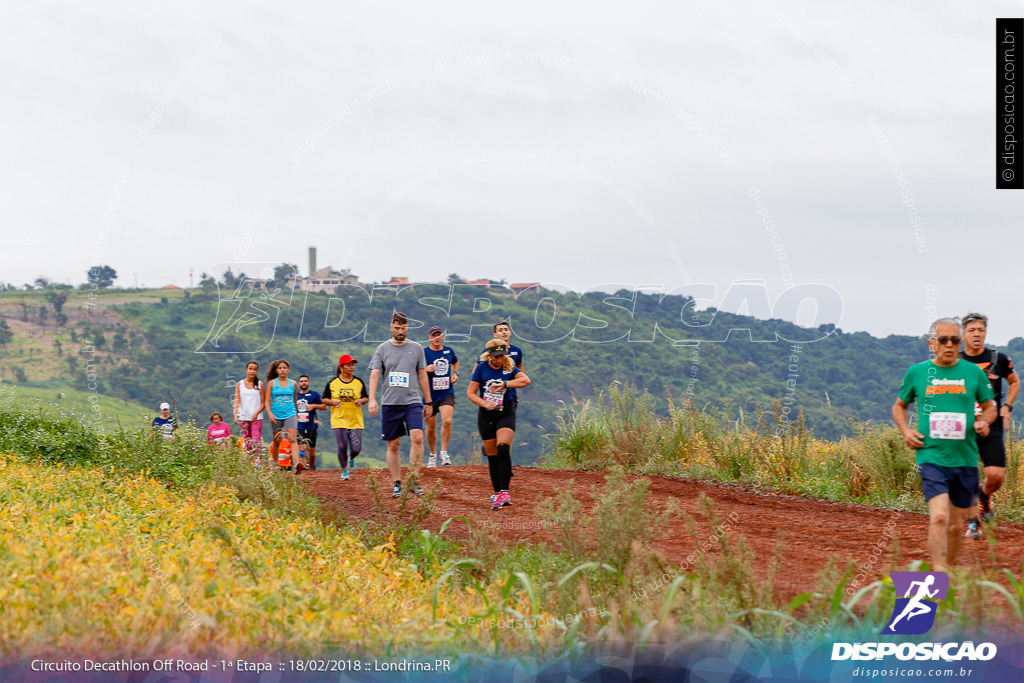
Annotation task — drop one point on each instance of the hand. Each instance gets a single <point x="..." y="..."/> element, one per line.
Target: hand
<point x="373" y="408"/>
<point x="455" y="378"/>
<point x="429" y="368"/>
<point x="981" y="427"/>
<point x="428" y="411"/>
<point x="493" y="406"/>
<point x="914" y="438"/>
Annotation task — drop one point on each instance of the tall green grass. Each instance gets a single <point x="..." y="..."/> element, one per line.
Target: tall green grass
<point x="619" y="428"/>
<point x="51" y="434"/>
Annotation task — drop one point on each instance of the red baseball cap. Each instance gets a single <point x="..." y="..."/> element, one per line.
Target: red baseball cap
<point x="346" y="359"/>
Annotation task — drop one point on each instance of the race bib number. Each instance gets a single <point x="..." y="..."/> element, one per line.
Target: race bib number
<point x="398" y="379"/>
<point x="494" y="392"/>
<point x="303" y="417"/>
<point x="442" y="383"/>
<point x="948" y="425"/>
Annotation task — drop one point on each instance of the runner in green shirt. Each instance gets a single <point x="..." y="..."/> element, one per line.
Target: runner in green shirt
<point x="945" y="389"/>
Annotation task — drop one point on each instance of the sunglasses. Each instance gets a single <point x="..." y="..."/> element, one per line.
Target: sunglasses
<point x="942" y="340"/>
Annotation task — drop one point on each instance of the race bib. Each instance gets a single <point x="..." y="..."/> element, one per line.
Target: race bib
<point x="398" y="379"/>
<point x="948" y="425"/>
<point x="303" y="417"/>
<point x="494" y="392"/>
<point x="442" y="383"/>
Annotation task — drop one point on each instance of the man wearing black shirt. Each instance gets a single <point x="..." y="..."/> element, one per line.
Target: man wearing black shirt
<point x="997" y="366"/>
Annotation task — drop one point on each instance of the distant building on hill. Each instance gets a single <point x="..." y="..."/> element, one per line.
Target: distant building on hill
<point x="396" y="282"/>
<point x="484" y="283"/>
<point x="322" y="280"/>
<point x="523" y="286"/>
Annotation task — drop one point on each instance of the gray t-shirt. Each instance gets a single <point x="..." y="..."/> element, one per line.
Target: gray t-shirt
<point x="399" y="379"/>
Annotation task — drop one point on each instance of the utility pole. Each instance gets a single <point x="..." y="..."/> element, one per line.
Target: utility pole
<point x="191" y="283"/>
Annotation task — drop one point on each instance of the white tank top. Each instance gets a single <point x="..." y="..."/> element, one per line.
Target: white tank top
<point x="249" y="403"/>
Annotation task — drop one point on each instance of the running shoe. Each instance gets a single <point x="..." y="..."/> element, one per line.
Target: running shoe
<point x="397" y="492"/>
<point x="985" y="511"/>
<point x="496" y="501"/>
<point x="446" y="459"/>
<point x="417" y="490"/>
<point x="344" y="475"/>
<point x="432" y="460"/>
<point x="505" y="500"/>
<point x="973" y="529"/>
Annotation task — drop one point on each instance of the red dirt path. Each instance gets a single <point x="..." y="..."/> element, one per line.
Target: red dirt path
<point x="813" y="530"/>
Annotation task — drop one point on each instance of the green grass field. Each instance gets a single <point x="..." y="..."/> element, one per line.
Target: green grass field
<point x="54" y="400"/>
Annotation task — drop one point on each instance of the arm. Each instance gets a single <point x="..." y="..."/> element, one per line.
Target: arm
<point x="519" y="381"/>
<point x="471" y="394"/>
<point x="988" y="416"/>
<point x="325" y="397"/>
<point x="428" y="409"/>
<point x="374" y="379"/>
<point x="455" y="372"/>
<point x="236" y="403"/>
<point x="911" y="437"/>
<point x="1013" y="386"/>
<point x="421" y="374"/>
<point x="363" y="396"/>
<point x="262" y="386"/>
<point x="267" y="394"/>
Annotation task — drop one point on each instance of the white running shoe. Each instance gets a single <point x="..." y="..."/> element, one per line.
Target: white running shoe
<point x="445" y="458"/>
<point x="432" y="460"/>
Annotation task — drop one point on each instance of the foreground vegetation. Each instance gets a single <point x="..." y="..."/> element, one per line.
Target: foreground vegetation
<point x="142" y="546"/>
<point x="619" y="429"/>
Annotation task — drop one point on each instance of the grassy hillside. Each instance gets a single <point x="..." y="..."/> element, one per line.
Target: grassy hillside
<point x="113" y="411"/>
<point x="191" y="346"/>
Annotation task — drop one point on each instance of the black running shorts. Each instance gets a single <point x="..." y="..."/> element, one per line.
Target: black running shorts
<point x="488" y="422"/>
<point x="306" y="435"/>
<point x="992" y="448"/>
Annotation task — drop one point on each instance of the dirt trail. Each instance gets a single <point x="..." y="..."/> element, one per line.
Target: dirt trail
<point x="813" y="530"/>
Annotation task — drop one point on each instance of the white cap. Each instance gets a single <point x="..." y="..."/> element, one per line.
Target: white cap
<point x="165" y="406"/>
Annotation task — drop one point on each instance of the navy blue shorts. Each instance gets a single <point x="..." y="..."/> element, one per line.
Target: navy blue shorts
<point x="961" y="483"/>
<point x="397" y="421"/>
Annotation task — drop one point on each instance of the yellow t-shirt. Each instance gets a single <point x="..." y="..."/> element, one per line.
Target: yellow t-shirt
<point x="346" y="415"/>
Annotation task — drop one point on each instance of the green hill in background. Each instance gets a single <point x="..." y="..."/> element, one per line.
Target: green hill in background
<point x="113" y="412"/>
<point x="191" y="347"/>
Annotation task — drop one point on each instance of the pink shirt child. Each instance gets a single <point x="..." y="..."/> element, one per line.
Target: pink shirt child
<point x="218" y="433"/>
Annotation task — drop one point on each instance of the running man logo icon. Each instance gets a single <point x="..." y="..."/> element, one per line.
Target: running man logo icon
<point x="914" y="613"/>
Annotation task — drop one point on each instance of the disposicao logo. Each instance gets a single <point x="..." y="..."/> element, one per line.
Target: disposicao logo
<point x="914" y="613"/>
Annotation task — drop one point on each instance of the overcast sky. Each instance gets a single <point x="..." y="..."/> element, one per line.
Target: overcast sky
<point x="569" y="143"/>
